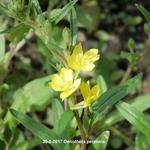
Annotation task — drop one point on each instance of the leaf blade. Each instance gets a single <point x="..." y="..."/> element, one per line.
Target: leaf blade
<point x="28" y="97"/>
<point x="103" y="139"/>
<point x="62" y="12"/>
<point x="135" y="117"/>
<point x="112" y="96"/>
<point x="142" y="103"/>
<point x="35" y="127"/>
<point x="73" y="26"/>
<point x="144" y="11"/>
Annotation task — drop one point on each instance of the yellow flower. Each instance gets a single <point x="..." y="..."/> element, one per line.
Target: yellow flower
<point x="64" y="82"/>
<point x="89" y="95"/>
<point x="80" y="61"/>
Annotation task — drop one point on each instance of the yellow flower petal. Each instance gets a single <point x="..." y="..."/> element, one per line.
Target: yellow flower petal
<point x="95" y="91"/>
<point x="91" y="55"/>
<point x="57" y="82"/>
<point x="73" y="62"/>
<point x="77" y="83"/>
<point x="87" y="67"/>
<point x="89" y="95"/>
<point x="64" y="82"/>
<point x="66" y="74"/>
<point x="80" y="61"/>
<point x="71" y="89"/>
<point x="75" y="59"/>
<point x="85" y="88"/>
<point x="78" y="51"/>
<point x="88" y="60"/>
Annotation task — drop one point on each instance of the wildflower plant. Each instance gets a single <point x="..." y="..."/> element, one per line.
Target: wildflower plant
<point x="77" y="107"/>
<point x="67" y="80"/>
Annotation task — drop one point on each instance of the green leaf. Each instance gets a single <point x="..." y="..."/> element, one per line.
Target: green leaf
<point x="66" y="37"/>
<point x="29" y="98"/>
<point x="131" y="44"/>
<point x="147" y="28"/>
<point x="73" y="26"/>
<point x="102" y="84"/>
<point x="84" y="18"/>
<point x="142" y="142"/>
<point x="3" y="88"/>
<point x="102" y="35"/>
<point x="43" y="49"/>
<point x="62" y="128"/>
<point x="62" y="13"/>
<point x="114" y="95"/>
<point x="103" y="140"/>
<point x="135" y="117"/>
<point x="4" y="9"/>
<point x="17" y="33"/>
<point x="36" y="6"/>
<point x="19" y="141"/>
<point x="141" y="103"/>
<point x="145" y="12"/>
<point x="26" y="145"/>
<point x="132" y="20"/>
<point x="2" y="45"/>
<point x="126" y="55"/>
<point x="51" y="45"/>
<point x="35" y="127"/>
<point x="57" y="110"/>
<point x="54" y="13"/>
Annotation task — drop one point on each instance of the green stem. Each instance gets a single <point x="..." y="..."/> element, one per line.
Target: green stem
<point x="82" y="130"/>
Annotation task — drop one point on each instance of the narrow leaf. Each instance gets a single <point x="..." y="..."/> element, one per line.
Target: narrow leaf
<point x="73" y="26"/>
<point x="17" y="33"/>
<point x="141" y="103"/>
<point x="114" y="95"/>
<point x="57" y="110"/>
<point x="142" y="142"/>
<point x="135" y="117"/>
<point x="103" y="140"/>
<point x="102" y="84"/>
<point x="147" y="28"/>
<point x="36" y="128"/>
<point x="37" y="6"/>
<point x="145" y="12"/>
<point x="65" y="120"/>
<point x="62" y="13"/>
<point x="4" y="9"/>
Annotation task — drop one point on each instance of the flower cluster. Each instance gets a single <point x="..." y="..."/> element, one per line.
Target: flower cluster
<point x="67" y="80"/>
